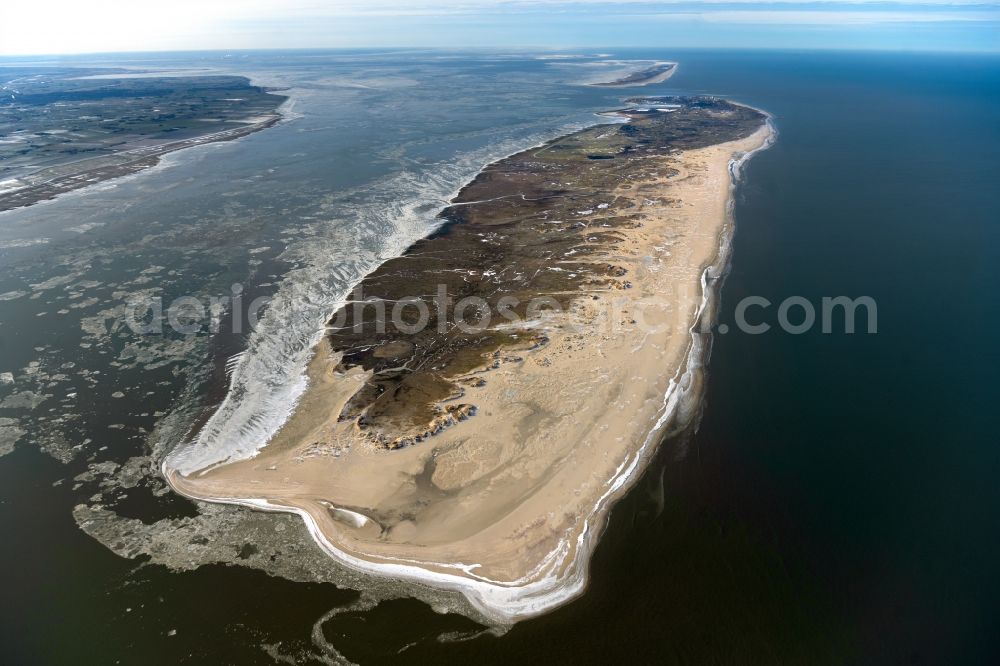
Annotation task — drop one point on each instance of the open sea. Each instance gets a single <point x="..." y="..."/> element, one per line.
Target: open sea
<point x="837" y="504"/>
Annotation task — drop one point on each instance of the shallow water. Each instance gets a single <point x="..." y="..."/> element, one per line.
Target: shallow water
<point x="837" y="500"/>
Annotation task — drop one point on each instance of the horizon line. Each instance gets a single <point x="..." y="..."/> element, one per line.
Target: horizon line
<point x="523" y="47"/>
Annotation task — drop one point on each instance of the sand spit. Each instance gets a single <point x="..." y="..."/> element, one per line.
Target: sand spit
<point x="505" y="505"/>
<point x="658" y="73"/>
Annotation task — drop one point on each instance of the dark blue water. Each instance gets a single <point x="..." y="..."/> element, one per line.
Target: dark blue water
<point x="838" y="503"/>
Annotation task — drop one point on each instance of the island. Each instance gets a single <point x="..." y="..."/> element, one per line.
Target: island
<point x="657" y="73"/>
<point x="477" y="406"/>
<point x="68" y="128"/>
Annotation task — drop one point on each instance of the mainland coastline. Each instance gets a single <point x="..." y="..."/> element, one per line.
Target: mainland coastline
<point x="486" y="462"/>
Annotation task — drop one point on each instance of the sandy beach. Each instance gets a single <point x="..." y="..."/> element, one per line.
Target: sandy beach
<point x="658" y="73"/>
<point x="505" y="506"/>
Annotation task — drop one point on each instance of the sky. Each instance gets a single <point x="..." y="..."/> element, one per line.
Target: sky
<point x="86" y="26"/>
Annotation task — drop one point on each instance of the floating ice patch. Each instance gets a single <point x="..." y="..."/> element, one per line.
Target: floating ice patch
<point x="84" y="228"/>
<point x="22" y="242"/>
<point x="10" y="432"/>
<point x="11" y="184"/>
<point x="25" y="400"/>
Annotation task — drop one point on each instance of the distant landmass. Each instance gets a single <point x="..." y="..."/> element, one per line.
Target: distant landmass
<point x="64" y="129"/>
<point x="658" y="73"/>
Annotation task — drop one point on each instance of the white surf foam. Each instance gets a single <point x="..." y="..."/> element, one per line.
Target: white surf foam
<point x="267" y="381"/>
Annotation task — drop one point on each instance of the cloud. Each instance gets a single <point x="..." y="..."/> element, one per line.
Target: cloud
<point x="837" y="17"/>
<point x="68" y="26"/>
<point x="737" y="11"/>
<point x="423" y="7"/>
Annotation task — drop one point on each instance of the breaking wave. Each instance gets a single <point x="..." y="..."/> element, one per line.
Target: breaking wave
<point x="269" y="377"/>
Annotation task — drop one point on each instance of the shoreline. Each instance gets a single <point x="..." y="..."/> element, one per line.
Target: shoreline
<point x="192" y="435"/>
<point x="50" y="183"/>
<point x="561" y="573"/>
<point x="657" y="73"/>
